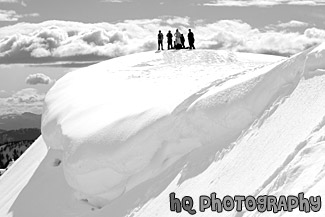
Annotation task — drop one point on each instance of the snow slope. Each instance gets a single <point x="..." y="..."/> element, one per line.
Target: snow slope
<point x="18" y="175"/>
<point x="153" y="120"/>
<point x="125" y="133"/>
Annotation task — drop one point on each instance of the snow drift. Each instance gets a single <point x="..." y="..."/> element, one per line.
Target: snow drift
<point x="129" y="131"/>
<point x="118" y="129"/>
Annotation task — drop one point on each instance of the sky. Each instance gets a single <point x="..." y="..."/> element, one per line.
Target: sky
<point x="41" y="40"/>
<point x="256" y="12"/>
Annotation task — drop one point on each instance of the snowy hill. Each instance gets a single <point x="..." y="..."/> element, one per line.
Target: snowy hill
<point x="118" y="137"/>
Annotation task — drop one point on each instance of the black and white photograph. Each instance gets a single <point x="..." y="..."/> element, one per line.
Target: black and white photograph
<point x="162" y="108"/>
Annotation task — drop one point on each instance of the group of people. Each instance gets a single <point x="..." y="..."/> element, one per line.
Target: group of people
<point x="179" y="41"/>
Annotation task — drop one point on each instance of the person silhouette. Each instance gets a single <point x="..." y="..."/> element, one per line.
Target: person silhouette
<point x="170" y="40"/>
<point x="183" y="41"/>
<point x="191" y="39"/>
<point x="178" y="43"/>
<point x="160" y="40"/>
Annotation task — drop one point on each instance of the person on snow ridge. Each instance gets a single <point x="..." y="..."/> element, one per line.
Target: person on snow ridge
<point x="160" y="40"/>
<point x="178" y="43"/>
<point x="183" y="41"/>
<point x="170" y="40"/>
<point x="191" y="39"/>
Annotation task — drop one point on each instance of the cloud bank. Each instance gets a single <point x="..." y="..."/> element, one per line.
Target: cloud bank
<point x="38" y="78"/>
<point x="293" y="24"/>
<point x="62" y="41"/>
<point x="8" y="1"/>
<point x="27" y="99"/>
<point x="11" y="15"/>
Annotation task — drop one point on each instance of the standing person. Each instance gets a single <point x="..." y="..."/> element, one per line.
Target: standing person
<point x="183" y="41"/>
<point x="191" y="39"/>
<point x="160" y="40"/>
<point x="177" y="39"/>
<point x="170" y="40"/>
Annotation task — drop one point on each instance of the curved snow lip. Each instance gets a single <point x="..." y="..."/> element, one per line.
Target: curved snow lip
<point x="125" y="121"/>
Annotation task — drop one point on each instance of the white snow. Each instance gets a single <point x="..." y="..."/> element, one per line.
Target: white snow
<point x="125" y="133"/>
<point x="18" y="175"/>
<point x="127" y="128"/>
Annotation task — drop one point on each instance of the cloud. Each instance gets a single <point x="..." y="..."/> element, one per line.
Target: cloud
<point x="72" y="42"/>
<point x="10" y="15"/>
<point x="38" y="78"/>
<point x="240" y="3"/>
<point x="185" y="21"/>
<point x="239" y="36"/>
<point x="4" y="94"/>
<point x="302" y="2"/>
<point x="21" y="2"/>
<point x="293" y="24"/>
<point x="262" y="3"/>
<point x="27" y="95"/>
<point x="315" y="33"/>
<point x="25" y="100"/>
<point x="8" y="1"/>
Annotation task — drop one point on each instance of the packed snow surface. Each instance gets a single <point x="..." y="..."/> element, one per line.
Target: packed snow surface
<point x="119" y="128"/>
<point x="123" y="134"/>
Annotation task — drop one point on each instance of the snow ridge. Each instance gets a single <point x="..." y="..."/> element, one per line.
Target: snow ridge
<point x="123" y="134"/>
<point x="137" y="134"/>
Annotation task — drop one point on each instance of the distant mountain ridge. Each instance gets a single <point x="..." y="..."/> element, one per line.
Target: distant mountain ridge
<point x="19" y="135"/>
<point x="18" y="121"/>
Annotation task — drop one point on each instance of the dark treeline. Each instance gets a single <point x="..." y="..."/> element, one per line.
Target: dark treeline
<point x="12" y="151"/>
